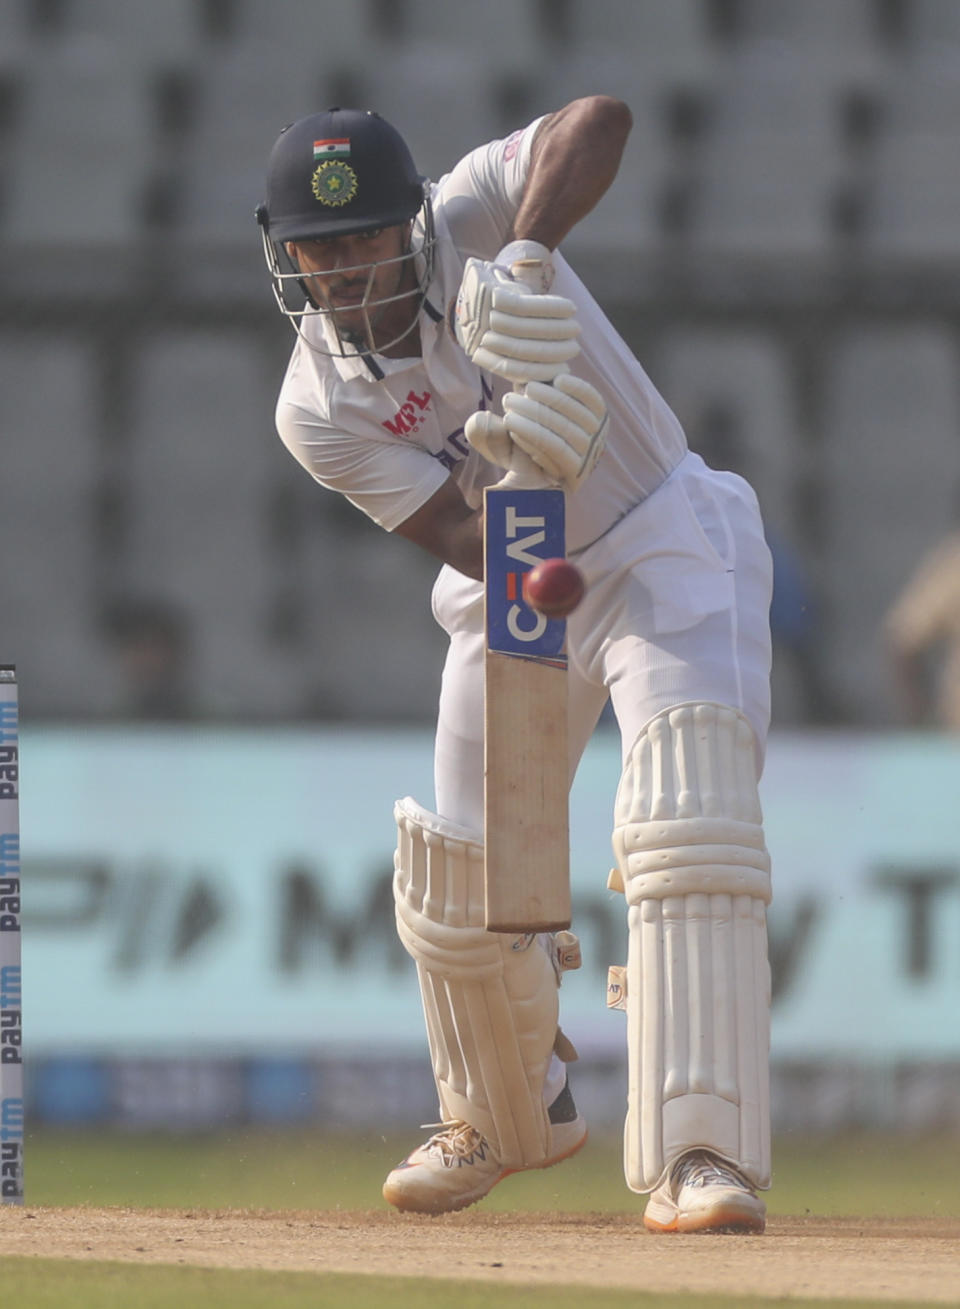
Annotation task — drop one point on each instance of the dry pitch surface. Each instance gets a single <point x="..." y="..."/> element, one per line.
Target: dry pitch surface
<point x="812" y="1258"/>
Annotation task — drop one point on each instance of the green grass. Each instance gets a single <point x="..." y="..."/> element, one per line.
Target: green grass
<point x="868" y="1176"/>
<point x="52" y="1284"/>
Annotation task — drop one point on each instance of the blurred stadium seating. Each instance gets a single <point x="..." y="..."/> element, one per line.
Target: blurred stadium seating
<point x="782" y="249"/>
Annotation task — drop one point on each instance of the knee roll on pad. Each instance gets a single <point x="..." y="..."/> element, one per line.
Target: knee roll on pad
<point x="489" y="999"/>
<point x="688" y="841"/>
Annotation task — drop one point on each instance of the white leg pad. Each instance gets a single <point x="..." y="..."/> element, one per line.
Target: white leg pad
<point x="689" y="847"/>
<point x="489" y="999"/>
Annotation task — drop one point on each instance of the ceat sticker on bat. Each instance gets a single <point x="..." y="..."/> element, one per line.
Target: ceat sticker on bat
<point x="524" y="527"/>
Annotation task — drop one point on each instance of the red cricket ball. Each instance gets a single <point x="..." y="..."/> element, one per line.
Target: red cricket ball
<point x="554" y="588"/>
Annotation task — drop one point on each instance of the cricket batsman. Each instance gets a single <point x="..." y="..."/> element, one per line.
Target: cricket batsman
<point x="425" y="368"/>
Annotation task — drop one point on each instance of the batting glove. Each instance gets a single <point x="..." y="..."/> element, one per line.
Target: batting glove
<point x="488" y="434"/>
<point x="506" y="323"/>
<point x="561" y="429"/>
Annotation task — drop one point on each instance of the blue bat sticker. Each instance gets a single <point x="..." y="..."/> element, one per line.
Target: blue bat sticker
<point x="523" y="527"/>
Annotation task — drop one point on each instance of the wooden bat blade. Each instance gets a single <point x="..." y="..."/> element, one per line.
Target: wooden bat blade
<point x="525" y="718"/>
<point x="527" y="830"/>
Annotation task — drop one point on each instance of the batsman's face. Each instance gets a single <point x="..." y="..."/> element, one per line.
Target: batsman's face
<point x="363" y="279"/>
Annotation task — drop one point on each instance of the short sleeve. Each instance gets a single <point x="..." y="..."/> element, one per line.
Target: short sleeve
<point x="481" y="195"/>
<point x="387" y="481"/>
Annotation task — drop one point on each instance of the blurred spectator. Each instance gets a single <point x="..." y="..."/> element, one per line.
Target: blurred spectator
<point x="922" y="634"/>
<point x="150" y="641"/>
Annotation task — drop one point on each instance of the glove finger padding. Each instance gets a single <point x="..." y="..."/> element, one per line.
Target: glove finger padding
<point x="561" y="427"/>
<point x="547" y="435"/>
<point x="579" y="389"/>
<point x="554" y="352"/>
<point x="517" y="371"/>
<point x="488" y="435"/>
<point x="512" y="302"/>
<point x="548" y="451"/>
<point x="557" y="409"/>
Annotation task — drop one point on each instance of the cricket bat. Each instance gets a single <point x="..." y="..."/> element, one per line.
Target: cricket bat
<point x="526" y="802"/>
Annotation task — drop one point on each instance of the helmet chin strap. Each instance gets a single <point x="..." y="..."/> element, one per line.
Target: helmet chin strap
<point x="365" y="342"/>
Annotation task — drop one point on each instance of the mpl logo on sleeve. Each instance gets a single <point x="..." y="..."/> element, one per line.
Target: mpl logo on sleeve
<point x="524" y="527"/>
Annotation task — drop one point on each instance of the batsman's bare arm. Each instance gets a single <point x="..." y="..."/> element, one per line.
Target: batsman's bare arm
<point x="575" y="157"/>
<point x="448" y="528"/>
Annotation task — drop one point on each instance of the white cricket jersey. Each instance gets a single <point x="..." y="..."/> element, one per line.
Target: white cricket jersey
<point x="389" y="444"/>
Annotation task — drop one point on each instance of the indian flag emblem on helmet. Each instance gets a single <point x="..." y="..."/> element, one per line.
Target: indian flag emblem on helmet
<point x="335" y="147"/>
<point x="334" y="183"/>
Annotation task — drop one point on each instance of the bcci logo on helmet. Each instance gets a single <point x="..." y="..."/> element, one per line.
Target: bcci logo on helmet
<point x="334" y="183"/>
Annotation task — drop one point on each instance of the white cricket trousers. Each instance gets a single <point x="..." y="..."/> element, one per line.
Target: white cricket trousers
<point x="676" y="610"/>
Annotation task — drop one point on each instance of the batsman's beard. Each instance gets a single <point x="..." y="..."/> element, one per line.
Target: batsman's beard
<point x="358" y="318"/>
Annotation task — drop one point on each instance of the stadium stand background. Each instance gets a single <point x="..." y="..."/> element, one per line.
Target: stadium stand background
<point x="782" y="250"/>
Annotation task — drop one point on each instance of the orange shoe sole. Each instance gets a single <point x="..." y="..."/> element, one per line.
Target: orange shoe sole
<point x="720" y="1220"/>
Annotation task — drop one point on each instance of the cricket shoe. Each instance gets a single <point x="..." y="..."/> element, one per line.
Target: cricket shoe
<point x="457" y="1166"/>
<point x="703" y="1193"/>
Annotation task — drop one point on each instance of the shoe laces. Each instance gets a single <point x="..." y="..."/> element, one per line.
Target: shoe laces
<point x="457" y="1143"/>
<point x="704" y="1169"/>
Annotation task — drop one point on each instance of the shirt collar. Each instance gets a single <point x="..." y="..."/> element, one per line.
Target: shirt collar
<point x="375" y="366"/>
